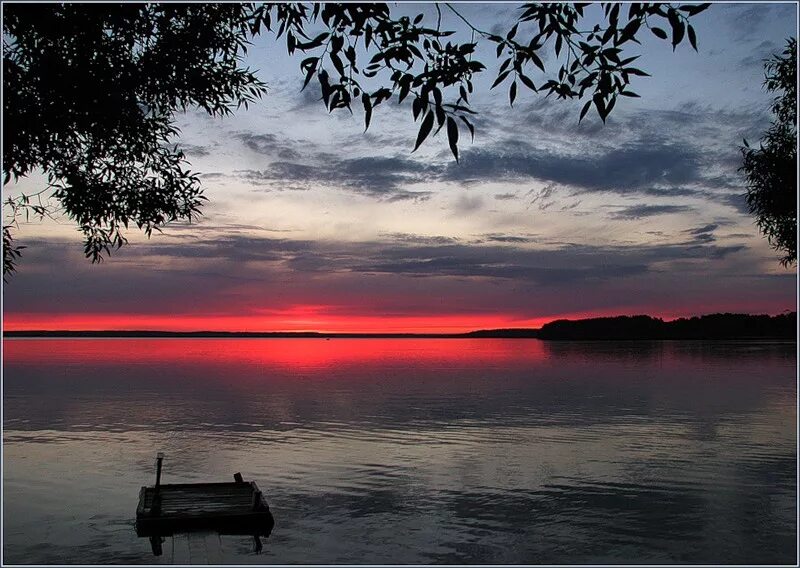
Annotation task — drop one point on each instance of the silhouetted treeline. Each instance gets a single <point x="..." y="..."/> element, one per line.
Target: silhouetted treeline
<point x="712" y="326"/>
<point x="519" y="332"/>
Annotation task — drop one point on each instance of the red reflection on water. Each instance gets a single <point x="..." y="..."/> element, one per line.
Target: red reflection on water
<point x="278" y="352"/>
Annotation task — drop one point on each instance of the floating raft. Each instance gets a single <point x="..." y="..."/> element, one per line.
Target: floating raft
<point x="227" y="508"/>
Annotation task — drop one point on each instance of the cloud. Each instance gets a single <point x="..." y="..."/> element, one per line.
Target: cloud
<point x="760" y="53"/>
<point x="385" y="178"/>
<point x="418" y="239"/>
<point x="746" y="20"/>
<point x="269" y="145"/>
<point x="465" y="204"/>
<point x="503" y="238"/>
<point x="704" y="234"/>
<point x="639" y="211"/>
<point x="629" y="169"/>
<point x="194" y="150"/>
<point x="505" y="196"/>
<point x="736" y="200"/>
<point x="541" y="197"/>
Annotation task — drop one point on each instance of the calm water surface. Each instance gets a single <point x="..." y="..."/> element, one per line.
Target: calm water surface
<point x="409" y="451"/>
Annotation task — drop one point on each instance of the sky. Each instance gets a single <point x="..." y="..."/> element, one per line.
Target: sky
<point x="312" y="224"/>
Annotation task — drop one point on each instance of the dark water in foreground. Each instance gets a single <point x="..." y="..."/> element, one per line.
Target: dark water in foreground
<point x="410" y="451"/>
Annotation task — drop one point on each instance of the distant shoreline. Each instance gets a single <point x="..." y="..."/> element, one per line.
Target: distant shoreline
<point x="521" y="333"/>
<point x="632" y="328"/>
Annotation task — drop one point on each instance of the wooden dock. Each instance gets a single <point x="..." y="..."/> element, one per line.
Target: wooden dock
<point x="229" y="508"/>
<point x="236" y="508"/>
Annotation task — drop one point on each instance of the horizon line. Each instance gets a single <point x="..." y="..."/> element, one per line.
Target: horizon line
<point x="521" y="331"/>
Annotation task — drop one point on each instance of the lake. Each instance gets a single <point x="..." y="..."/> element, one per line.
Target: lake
<point x="418" y="451"/>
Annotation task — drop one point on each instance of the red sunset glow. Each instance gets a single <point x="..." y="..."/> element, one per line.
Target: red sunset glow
<point x="299" y="319"/>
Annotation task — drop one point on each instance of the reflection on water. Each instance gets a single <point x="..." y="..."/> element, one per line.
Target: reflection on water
<point x="410" y="451"/>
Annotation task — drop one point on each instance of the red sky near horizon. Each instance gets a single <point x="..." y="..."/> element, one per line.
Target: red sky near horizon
<point x="296" y="320"/>
<point x="299" y="321"/>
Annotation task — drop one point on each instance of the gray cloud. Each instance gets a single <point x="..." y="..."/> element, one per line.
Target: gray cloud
<point x="269" y="145"/>
<point x="704" y="234"/>
<point x="465" y="204"/>
<point x="629" y="169"/>
<point x="747" y="19"/>
<point x="760" y="53"/>
<point x="383" y="178"/>
<point x="503" y="238"/>
<point x="419" y="239"/>
<point x="195" y="150"/>
<point x="505" y="196"/>
<point x="639" y="211"/>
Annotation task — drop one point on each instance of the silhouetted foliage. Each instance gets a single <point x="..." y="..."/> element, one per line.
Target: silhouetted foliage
<point x="90" y="94"/>
<point x="11" y="252"/>
<point x="712" y="326"/>
<point x="91" y="89"/>
<point x="771" y="169"/>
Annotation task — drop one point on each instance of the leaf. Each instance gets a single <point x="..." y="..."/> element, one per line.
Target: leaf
<point x="585" y="109"/>
<point x="452" y="136"/>
<point x="424" y="130"/>
<point x="537" y="61"/>
<point x="658" y="32"/>
<point x="440" y="116"/>
<point x="417" y="107"/>
<point x="309" y="74"/>
<point x="678" y="30"/>
<point x="367" y="102"/>
<point x="692" y="36"/>
<point x="599" y="102"/>
<point x="405" y="88"/>
<point x="512" y="93"/>
<point x="512" y="33"/>
<point x="337" y="63"/>
<point x="500" y="79"/>
<point x="527" y="82"/>
<point x="629" y="31"/>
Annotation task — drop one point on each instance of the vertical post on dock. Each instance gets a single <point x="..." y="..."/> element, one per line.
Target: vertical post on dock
<point x="159" y="459"/>
<point x="155" y="508"/>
